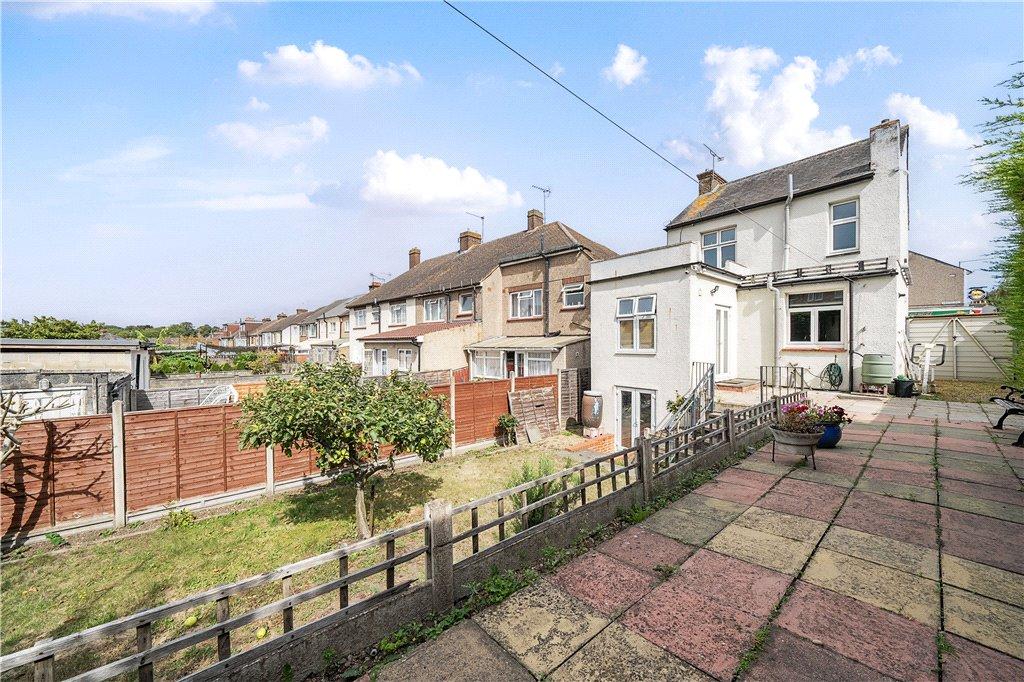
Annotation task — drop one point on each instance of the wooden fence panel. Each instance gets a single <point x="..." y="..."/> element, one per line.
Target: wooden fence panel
<point x="151" y="458"/>
<point x="202" y="462"/>
<point x="246" y="468"/>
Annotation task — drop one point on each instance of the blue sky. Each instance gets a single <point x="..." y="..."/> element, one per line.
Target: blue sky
<point x="206" y="161"/>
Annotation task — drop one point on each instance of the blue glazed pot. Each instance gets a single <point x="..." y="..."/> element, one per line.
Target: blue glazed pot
<point x="833" y="434"/>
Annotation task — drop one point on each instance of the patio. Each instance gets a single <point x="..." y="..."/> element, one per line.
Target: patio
<point x="901" y="556"/>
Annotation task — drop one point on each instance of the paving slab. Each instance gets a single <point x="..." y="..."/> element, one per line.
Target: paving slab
<point x="732" y="582"/>
<point x="983" y="579"/>
<point x="795" y="659"/>
<point x="986" y="621"/>
<point x="723" y="510"/>
<point x="902" y="491"/>
<point x="903" y="453"/>
<point x="825" y="477"/>
<point x="464" y="653"/>
<point x="753" y="464"/>
<point x="893" y="590"/>
<point x="973" y="445"/>
<point x="894" y="518"/>
<point x="645" y="549"/>
<point x="771" y="551"/>
<point x="751" y="479"/>
<point x="803" y="498"/>
<point x="984" y="492"/>
<point x="683" y="525"/>
<point x="733" y="492"/>
<point x="605" y="584"/>
<point x="620" y="655"/>
<point x="541" y="626"/>
<point x="879" y="549"/>
<point x="976" y="505"/>
<point x="1005" y="479"/>
<point x="890" y="644"/>
<point x="700" y="630"/>
<point x="784" y="525"/>
<point x="971" y="662"/>
<point x="983" y="539"/>
<point x="923" y="479"/>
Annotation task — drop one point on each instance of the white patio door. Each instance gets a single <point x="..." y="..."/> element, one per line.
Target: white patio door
<point x="722" y="368"/>
<point x="636" y="414"/>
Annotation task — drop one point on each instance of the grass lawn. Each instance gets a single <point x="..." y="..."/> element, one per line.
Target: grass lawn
<point x="965" y="391"/>
<point x="50" y="594"/>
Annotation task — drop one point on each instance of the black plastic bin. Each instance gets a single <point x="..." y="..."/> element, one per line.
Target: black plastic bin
<point x="903" y="388"/>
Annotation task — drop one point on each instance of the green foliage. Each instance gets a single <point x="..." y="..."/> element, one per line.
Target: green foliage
<point x="507" y="424"/>
<point x="56" y="539"/>
<point x="999" y="172"/>
<point x="348" y="422"/>
<point x="538" y="492"/>
<point x="263" y="362"/>
<point x="944" y="646"/>
<point x="636" y="514"/>
<point x="179" y="363"/>
<point x="666" y="571"/>
<point x="46" y="327"/>
<point x="179" y="518"/>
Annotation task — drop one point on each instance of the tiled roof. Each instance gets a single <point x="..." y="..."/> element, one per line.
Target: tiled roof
<point x="284" y="322"/>
<point x="414" y="331"/>
<point x="457" y="270"/>
<point x="834" y="167"/>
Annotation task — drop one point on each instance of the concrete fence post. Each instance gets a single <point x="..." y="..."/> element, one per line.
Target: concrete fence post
<point x="440" y="562"/>
<point x="270" y="470"/>
<point x="646" y="469"/>
<point x="118" y="456"/>
<point x="730" y="425"/>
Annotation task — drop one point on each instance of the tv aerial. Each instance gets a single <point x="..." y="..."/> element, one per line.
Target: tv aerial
<point x="545" y="191"/>
<point x="481" y="223"/>
<point x="715" y="156"/>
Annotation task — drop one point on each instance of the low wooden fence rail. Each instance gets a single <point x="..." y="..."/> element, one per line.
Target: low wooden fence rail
<point x="575" y="499"/>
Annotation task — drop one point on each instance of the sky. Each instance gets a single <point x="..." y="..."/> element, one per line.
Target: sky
<point x="206" y="161"/>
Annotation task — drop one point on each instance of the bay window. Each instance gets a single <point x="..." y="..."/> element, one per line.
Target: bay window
<point x="816" y="317"/>
<point x="526" y="304"/>
<point x="637" y="324"/>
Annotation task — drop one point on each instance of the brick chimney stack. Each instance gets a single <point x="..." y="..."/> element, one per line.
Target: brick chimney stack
<point x="708" y="181"/>
<point x="469" y="239"/>
<point x="301" y="310"/>
<point x="281" y="316"/>
<point x="374" y="283"/>
<point x="414" y="257"/>
<point x="534" y="219"/>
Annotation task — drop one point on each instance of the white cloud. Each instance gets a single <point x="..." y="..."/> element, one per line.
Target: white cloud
<point x="683" y="149"/>
<point x="767" y="124"/>
<point x="135" y="156"/>
<point x="256" y="104"/>
<point x="325" y="66"/>
<point x="193" y="10"/>
<point x="425" y="183"/>
<point x="556" y="70"/>
<point x="256" y="202"/>
<point x="626" y="68"/>
<point x="935" y="127"/>
<point x="273" y="141"/>
<point x="868" y="57"/>
<point x="114" y="231"/>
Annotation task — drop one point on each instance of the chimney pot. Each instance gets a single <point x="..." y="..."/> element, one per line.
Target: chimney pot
<point x="469" y="239"/>
<point x="708" y="181"/>
<point x="414" y="257"/>
<point x="534" y="219"/>
<point x="301" y="310"/>
<point x="374" y="283"/>
<point x="281" y="316"/>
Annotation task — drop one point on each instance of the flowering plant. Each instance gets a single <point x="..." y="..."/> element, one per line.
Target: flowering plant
<point x="832" y="415"/>
<point x="799" y="418"/>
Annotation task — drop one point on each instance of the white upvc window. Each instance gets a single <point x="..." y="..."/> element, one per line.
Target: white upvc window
<point x="719" y="247"/>
<point x="397" y="313"/>
<point x="314" y="331"/>
<point x="360" y="319"/>
<point x="435" y="310"/>
<point x="572" y="296"/>
<point x="465" y="304"/>
<point x="538" y="364"/>
<point x="526" y="304"/>
<point x="637" y="324"/>
<point x="844" y="230"/>
<point x="332" y="328"/>
<point x="488" y="364"/>
<point x="816" y="317"/>
<point x="367" y="363"/>
<point x="405" y="359"/>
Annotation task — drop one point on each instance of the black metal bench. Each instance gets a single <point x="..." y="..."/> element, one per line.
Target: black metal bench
<point x="1012" y="406"/>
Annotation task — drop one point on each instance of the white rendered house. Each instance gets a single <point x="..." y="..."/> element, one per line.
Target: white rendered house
<point x="801" y="265"/>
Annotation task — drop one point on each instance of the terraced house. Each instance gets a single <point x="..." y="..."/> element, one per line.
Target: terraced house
<point x="518" y="305"/>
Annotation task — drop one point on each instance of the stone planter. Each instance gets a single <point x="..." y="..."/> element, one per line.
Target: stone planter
<point x="800" y="444"/>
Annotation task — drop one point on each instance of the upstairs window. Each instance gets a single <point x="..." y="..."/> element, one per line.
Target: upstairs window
<point x="375" y="315"/>
<point x="719" y="247"/>
<point x="435" y="310"/>
<point x="332" y="327"/>
<point x="525" y="304"/>
<point x="636" y="317"/>
<point x="572" y="296"/>
<point x="816" y="317"/>
<point x="314" y="330"/>
<point x="360" y="319"/>
<point x="398" y="313"/>
<point x="465" y="304"/>
<point x="844" y="233"/>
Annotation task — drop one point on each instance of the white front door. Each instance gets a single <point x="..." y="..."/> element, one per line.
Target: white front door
<point x="635" y="408"/>
<point x="722" y="368"/>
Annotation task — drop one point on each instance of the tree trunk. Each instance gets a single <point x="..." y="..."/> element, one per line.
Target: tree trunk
<point x="362" y="527"/>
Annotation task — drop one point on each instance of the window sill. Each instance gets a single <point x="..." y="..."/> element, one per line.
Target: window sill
<point x="525" y="319"/>
<point x="469" y="314"/>
<point x="636" y="352"/>
<point x="837" y="254"/>
<point x="815" y="348"/>
<point x="573" y="307"/>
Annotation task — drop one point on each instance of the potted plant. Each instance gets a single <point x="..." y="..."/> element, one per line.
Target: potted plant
<point x="832" y="417"/>
<point x="797" y="431"/>
<point x="903" y="386"/>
